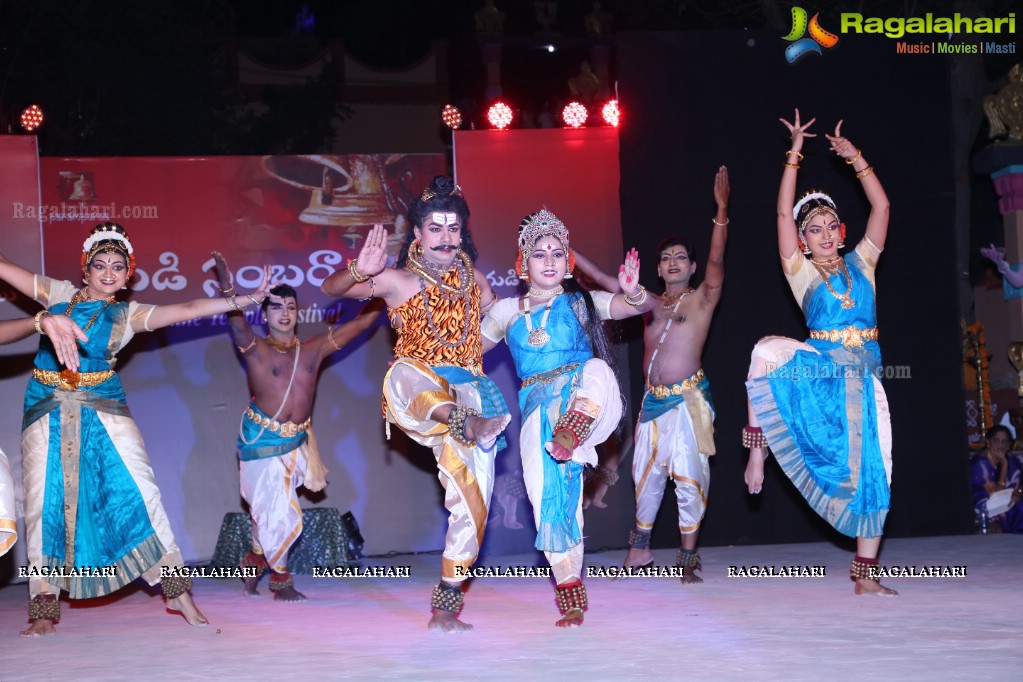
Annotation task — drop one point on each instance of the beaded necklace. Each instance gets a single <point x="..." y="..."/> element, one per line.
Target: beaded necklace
<point x="281" y="346"/>
<point x="834" y="266"/>
<point x="538" y="337"/>
<point x="80" y="297"/>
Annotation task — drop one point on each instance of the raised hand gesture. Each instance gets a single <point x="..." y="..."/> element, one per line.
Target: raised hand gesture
<point x="223" y="272"/>
<point x="373" y="257"/>
<point x="721" y="187"/>
<point x="628" y="273"/>
<point x="64" y="334"/>
<point x="798" y="131"/>
<point x="840" y="145"/>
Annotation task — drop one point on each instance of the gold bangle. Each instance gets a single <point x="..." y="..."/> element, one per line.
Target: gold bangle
<point x="358" y="277"/>
<point x="859" y="153"/>
<point x="232" y="301"/>
<point x="372" y="290"/>
<point x="254" y="301"/>
<point x="793" y="151"/>
<point x="639" y="296"/>
<point x="865" y="172"/>
<point x="791" y="165"/>
<point x="714" y="220"/>
<point x="228" y="290"/>
<point x="247" y="348"/>
<point x="39" y="318"/>
<point x="330" y="337"/>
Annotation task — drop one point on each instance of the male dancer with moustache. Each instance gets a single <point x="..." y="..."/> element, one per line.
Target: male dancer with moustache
<point x="675" y="433"/>
<point x="436" y="391"/>
<point x="276" y="444"/>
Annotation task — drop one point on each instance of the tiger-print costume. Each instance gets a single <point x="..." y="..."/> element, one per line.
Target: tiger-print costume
<point x="415" y="338"/>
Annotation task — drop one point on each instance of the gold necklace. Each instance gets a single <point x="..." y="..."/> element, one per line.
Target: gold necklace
<point x="281" y="346"/>
<point x="546" y="293"/>
<point x="81" y="296"/>
<point x="416" y="266"/>
<point x="669" y="301"/>
<point x="824" y="270"/>
<point x="537" y="338"/>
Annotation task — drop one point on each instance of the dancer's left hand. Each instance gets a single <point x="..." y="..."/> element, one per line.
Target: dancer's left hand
<point x="841" y="145"/>
<point x="628" y="273"/>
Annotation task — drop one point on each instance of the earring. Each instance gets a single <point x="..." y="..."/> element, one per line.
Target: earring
<point x="568" y="275"/>
<point x="806" y="248"/>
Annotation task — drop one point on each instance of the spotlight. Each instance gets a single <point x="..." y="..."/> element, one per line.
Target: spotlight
<point x="612" y="116"/>
<point x="451" y="116"/>
<point x="574" y="115"/>
<point x="499" y="115"/>
<point x="31" y="118"/>
<point x="550" y="48"/>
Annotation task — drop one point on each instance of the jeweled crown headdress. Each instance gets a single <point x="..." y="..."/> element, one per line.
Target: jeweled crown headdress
<point x="543" y="223"/>
<point x="108" y="238"/>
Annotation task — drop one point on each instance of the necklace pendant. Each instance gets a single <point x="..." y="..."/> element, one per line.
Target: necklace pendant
<point x="538" y="338"/>
<point x="848" y="303"/>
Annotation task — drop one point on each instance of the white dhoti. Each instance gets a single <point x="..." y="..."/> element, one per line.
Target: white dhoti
<point x="413" y="391"/>
<point x="270" y="487"/>
<point x="594" y="392"/>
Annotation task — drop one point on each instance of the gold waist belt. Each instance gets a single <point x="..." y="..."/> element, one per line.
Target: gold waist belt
<point x="70" y="381"/>
<point x="853" y="337"/>
<point x="549" y="376"/>
<point x="676" y="388"/>
<point x="287" y="429"/>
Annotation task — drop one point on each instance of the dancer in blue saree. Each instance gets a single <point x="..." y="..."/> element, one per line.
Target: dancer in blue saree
<point x="94" y="521"/>
<point x="818" y="404"/>
<point x="570" y="399"/>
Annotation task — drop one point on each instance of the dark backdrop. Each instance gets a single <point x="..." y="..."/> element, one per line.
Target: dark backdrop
<point x="693" y="101"/>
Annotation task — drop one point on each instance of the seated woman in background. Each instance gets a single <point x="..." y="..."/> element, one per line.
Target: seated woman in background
<point x="993" y="469"/>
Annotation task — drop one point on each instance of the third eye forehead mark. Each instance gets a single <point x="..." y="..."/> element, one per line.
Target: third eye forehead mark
<point x="443" y="219"/>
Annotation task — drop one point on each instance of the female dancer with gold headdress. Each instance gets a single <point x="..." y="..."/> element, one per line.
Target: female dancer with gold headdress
<point x="570" y="399"/>
<point x="818" y="404"/>
<point x="93" y="517"/>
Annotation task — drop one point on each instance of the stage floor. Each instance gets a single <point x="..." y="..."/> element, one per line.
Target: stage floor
<point x="728" y="628"/>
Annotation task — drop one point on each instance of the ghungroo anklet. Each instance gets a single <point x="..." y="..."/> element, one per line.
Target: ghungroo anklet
<point x="447" y="597"/>
<point x="44" y="607"/>
<point x="753" y="437"/>
<point x="639" y="539"/>
<point x="571" y="597"/>
<point x="860" y="569"/>
<point x="256" y="561"/>
<point x="688" y="559"/>
<point x="604" y="475"/>
<point x="280" y="581"/>
<point x="457" y="422"/>
<point x="576" y="423"/>
<point x="174" y="586"/>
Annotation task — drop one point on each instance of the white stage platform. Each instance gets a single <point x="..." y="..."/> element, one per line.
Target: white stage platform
<point x="965" y="628"/>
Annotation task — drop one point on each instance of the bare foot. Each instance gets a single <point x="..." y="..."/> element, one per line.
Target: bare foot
<point x="485" y="430"/>
<point x="573" y="618"/>
<point x="755" y="470"/>
<point x="250" y="586"/>
<point x="868" y="586"/>
<point x="288" y="593"/>
<point x="40" y="628"/>
<point x="597" y="497"/>
<point x="638" y="557"/>
<point x="447" y="622"/>
<point x="187" y="608"/>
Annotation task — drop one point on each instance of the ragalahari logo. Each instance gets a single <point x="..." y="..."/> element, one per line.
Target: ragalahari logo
<point x="801" y="46"/>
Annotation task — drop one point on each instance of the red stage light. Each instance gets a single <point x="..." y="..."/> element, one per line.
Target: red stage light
<point x="612" y="116"/>
<point x="451" y="116"/>
<point x="574" y="115"/>
<point x="499" y="115"/>
<point x="31" y="117"/>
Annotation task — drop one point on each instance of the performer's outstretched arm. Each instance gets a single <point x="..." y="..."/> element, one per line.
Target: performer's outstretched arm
<point x="715" y="273"/>
<point x="590" y="269"/>
<point x="367" y="276"/>
<point x="241" y="330"/>
<point x="338" y="337"/>
<point x="634" y="299"/>
<point x="788" y="235"/>
<point x="877" y="221"/>
<point x="165" y="315"/>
